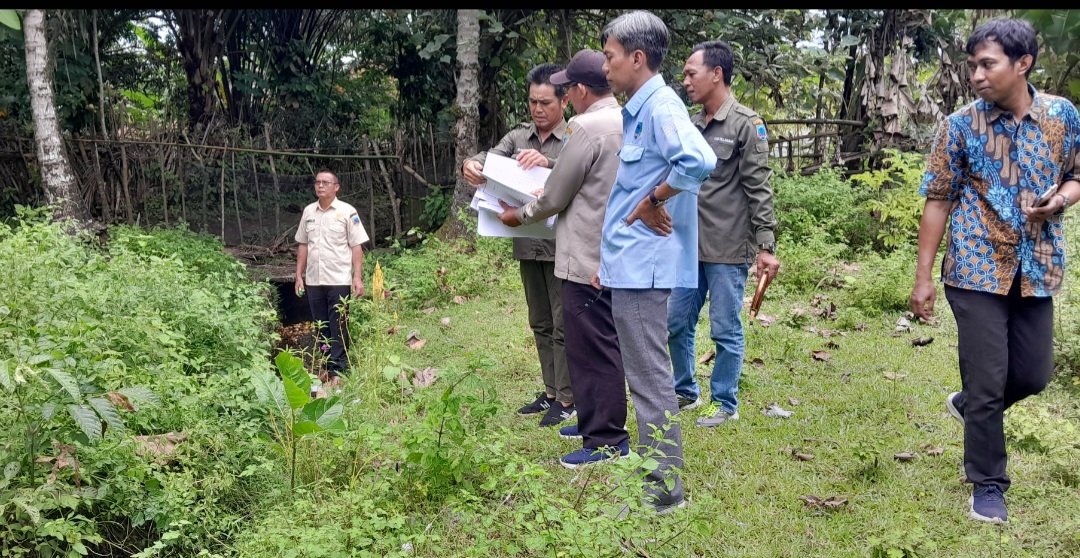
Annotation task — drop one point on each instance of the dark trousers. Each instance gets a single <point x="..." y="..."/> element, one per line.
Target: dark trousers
<point x="543" y="294"/>
<point x="1005" y="344"/>
<point x="596" y="367"/>
<point x="324" y="301"/>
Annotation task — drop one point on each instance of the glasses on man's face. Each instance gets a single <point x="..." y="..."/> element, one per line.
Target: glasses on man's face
<point x="324" y="182"/>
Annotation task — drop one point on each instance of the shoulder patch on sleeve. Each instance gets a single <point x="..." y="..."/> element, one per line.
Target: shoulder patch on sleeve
<point x="759" y="125"/>
<point x="355" y="218"/>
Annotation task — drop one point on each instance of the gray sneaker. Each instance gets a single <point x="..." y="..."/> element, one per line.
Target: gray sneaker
<point x="685" y="403"/>
<point x="950" y="404"/>
<point x="714" y="415"/>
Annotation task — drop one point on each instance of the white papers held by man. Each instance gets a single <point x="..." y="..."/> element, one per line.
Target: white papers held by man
<point x="513" y="185"/>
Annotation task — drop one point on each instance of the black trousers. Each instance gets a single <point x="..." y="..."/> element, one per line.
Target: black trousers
<point x="1005" y="344"/>
<point x="596" y="368"/>
<point x="324" y="301"/>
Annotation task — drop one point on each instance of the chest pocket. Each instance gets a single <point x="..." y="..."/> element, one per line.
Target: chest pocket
<point x="726" y="163"/>
<point x="631" y="153"/>
<point x="335" y="230"/>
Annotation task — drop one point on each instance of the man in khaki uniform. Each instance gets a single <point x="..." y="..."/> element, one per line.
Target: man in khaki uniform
<point x="735" y="228"/>
<point x="577" y="190"/>
<point x="329" y="262"/>
<point x="538" y="144"/>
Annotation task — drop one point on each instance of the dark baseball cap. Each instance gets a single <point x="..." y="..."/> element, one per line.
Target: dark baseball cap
<point x="587" y="66"/>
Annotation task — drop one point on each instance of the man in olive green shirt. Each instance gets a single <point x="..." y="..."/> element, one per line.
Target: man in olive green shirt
<point x="735" y="227"/>
<point x="538" y="144"/>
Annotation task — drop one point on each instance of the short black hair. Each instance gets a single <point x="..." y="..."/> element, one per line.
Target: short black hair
<point x="541" y="75"/>
<point x="717" y="54"/>
<point x="330" y="173"/>
<point x="1016" y="37"/>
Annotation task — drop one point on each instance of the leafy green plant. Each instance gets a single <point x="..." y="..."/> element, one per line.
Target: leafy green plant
<point x="882" y="284"/>
<point x="895" y="196"/>
<point x="436" y="206"/>
<point x="1037" y="429"/>
<point x="907" y="542"/>
<point x="291" y="403"/>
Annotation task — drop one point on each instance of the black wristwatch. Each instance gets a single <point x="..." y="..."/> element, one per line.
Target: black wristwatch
<point x="656" y="202"/>
<point x="769" y="247"/>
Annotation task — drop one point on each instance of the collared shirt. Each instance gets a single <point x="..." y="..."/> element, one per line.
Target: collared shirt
<point x="735" y="204"/>
<point x="990" y="166"/>
<point x="578" y="188"/>
<point x="330" y="235"/>
<point x="525" y="136"/>
<point x="660" y="144"/>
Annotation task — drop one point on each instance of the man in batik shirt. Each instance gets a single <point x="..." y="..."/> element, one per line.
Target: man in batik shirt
<point x="991" y="176"/>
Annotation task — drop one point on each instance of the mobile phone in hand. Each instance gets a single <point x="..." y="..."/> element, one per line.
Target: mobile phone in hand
<point x="1045" y="196"/>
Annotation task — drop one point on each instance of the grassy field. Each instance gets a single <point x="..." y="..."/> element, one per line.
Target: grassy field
<point x="869" y="396"/>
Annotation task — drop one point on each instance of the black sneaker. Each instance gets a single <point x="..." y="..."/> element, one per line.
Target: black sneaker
<point x="541" y="404"/>
<point x="557" y="413"/>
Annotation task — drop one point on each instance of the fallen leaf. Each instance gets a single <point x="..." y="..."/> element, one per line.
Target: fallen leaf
<point x="792" y="401"/>
<point x="902" y="325"/>
<point x="861" y="326"/>
<point x="758" y="362"/>
<point x="932" y="450"/>
<point x="804" y="456"/>
<point x="428" y="310"/>
<point x="776" y="411"/>
<point x="905" y="456"/>
<point x="425" y="377"/>
<point x="787" y="450"/>
<point x="766" y="321"/>
<point x="510" y="310"/>
<point x="459" y="299"/>
<point x="441" y="271"/>
<point x="708" y="356"/>
<point x="820" y="355"/>
<point x="413" y="341"/>
<point x="845" y="377"/>
<point x="120" y="401"/>
<point x="811" y="329"/>
<point x="159" y="446"/>
<point x="818" y="298"/>
<point x="445" y="321"/>
<point x="922" y="341"/>
<point x="893" y="376"/>
<point x="393" y="330"/>
<point x="832" y="345"/>
<point x="832" y="502"/>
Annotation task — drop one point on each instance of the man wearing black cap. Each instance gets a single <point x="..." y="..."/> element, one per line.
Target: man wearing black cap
<point x="577" y="190"/>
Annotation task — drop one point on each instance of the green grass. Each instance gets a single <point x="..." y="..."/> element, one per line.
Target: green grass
<point x="742" y="479"/>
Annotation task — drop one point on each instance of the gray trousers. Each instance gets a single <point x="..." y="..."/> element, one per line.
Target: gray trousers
<point x="543" y="294"/>
<point x="641" y="322"/>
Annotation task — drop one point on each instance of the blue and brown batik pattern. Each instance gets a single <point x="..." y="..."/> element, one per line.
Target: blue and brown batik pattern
<point x="989" y="166"/>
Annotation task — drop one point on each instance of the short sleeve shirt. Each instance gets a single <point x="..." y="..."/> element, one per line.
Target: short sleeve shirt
<point x="990" y="166"/>
<point x="330" y="235"/>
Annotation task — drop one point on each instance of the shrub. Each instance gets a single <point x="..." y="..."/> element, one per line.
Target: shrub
<point x="825" y="202"/>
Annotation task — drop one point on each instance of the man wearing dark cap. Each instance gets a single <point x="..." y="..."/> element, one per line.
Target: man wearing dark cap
<point x="577" y="190"/>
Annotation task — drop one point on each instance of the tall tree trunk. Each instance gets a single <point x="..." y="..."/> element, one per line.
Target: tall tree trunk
<point x="465" y="106"/>
<point x="56" y="176"/>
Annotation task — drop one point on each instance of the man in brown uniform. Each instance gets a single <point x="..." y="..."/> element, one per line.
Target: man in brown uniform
<point x="329" y="262"/>
<point x="538" y="144"/>
<point x="735" y="228"/>
<point x="577" y="190"/>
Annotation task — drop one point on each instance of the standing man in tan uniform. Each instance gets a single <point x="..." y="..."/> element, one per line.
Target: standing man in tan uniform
<point x="577" y="190"/>
<point x="538" y="144"/>
<point x="329" y="262"/>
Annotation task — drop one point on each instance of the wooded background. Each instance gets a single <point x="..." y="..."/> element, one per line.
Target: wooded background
<point x="220" y="118"/>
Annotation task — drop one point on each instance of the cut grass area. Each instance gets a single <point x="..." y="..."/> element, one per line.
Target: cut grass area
<point x="875" y="396"/>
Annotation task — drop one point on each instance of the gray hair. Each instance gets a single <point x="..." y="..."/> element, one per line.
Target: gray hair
<point x="642" y="31"/>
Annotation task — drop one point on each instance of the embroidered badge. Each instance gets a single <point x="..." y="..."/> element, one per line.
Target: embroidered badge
<point x="723" y="139"/>
<point x="566" y="135"/>
<point x="760" y="125"/>
<point x="355" y="220"/>
<point x="637" y="130"/>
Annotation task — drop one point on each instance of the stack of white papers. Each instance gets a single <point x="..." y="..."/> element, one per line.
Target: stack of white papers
<point x="510" y="183"/>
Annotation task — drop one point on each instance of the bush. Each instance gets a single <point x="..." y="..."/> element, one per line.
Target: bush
<point x="437" y="271"/>
<point x="807" y="263"/>
<point x="824" y="202"/>
<point x="882" y="284"/>
<point x="97" y="346"/>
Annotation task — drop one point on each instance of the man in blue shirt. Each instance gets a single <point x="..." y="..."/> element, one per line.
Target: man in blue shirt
<point x="649" y="240"/>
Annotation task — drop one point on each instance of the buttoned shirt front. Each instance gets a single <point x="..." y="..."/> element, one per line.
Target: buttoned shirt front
<point x="578" y="189"/>
<point x="659" y="144"/>
<point x="526" y="136"/>
<point x="330" y="235"/>
<point x="990" y="166"/>
<point x="735" y="204"/>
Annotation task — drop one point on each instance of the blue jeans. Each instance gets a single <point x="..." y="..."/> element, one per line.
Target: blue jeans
<point x="727" y="283"/>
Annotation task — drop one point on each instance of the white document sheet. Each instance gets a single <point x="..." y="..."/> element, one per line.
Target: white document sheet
<point x="508" y="181"/>
<point x="488" y="224"/>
